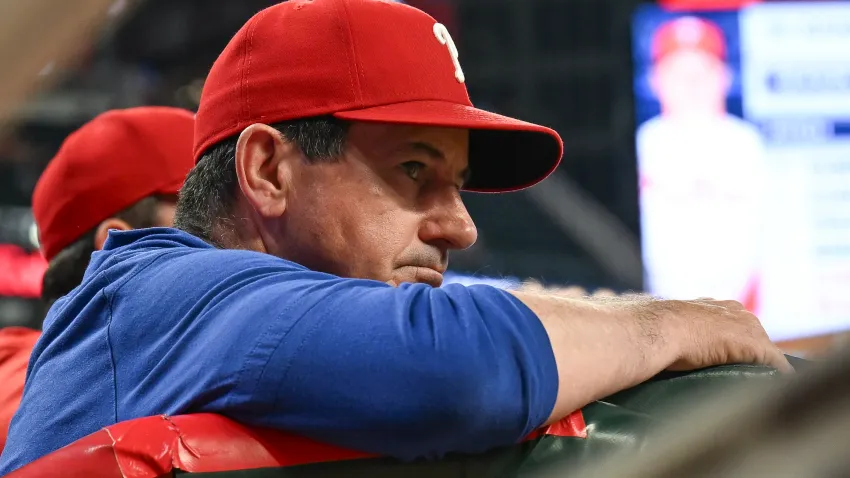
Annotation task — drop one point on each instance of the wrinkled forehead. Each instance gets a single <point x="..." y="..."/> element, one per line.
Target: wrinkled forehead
<point x="450" y="145"/>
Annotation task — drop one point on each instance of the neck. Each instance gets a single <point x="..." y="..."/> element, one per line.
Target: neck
<point x="239" y="231"/>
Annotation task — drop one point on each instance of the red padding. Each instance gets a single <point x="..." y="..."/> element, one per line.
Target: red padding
<point x="153" y="447"/>
<point x="92" y="456"/>
<point x="208" y="443"/>
<point x="572" y="426"/>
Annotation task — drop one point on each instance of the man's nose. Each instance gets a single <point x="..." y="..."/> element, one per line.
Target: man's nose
<point x="448" y="225"/>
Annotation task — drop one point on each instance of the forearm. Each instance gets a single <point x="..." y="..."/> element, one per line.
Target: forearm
<point x="601" y="346"/>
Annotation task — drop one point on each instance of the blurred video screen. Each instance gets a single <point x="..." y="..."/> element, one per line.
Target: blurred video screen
<point x="508" y="283"/>
<point x="743" y="145"/>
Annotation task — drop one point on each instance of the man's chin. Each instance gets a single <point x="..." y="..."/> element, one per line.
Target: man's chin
<point x="416" y="275"/>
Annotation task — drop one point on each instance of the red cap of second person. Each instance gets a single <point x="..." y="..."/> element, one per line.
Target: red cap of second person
<point x="106" y="166"/>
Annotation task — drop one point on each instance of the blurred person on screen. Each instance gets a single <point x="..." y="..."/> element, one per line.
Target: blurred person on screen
<point x="701" y="173"/>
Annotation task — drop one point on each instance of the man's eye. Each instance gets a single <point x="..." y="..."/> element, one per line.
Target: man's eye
<point x="413" y="169"/>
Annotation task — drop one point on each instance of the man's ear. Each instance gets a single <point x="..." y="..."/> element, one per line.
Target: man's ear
<point x="103" y="230"/>
<point x="264" y="162"/>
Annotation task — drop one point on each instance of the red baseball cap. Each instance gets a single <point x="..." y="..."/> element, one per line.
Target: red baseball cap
<point x="689" y="33"/>
<point x="370" y="61"/>
<point x="106" y="166"/>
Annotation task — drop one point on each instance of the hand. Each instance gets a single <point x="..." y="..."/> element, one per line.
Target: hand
<point x="712" y="332"/>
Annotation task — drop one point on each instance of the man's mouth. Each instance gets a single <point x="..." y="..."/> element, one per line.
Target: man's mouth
<point x="422" y="275"/>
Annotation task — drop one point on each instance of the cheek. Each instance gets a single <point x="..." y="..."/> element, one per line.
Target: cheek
<point x="379" y="230"/>
<point x="373" y="233"/>
<point x="391" y="232"/>
<point x="347" y="234"/>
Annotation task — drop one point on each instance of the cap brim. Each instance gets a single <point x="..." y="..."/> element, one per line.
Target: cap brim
<point x="505" y="154"/>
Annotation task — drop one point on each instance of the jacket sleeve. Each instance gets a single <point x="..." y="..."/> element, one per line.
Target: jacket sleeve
<point x="408" y="372"/>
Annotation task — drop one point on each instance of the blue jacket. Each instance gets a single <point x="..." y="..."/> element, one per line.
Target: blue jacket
<point x="164" y="323"/>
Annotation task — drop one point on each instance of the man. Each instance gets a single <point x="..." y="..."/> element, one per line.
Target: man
<point x="332" y="141"/>
<point x="122" y="170"/>
<point x="702" y="173"/>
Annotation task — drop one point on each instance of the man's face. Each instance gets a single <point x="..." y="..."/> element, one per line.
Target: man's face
<point x="389" y="209"/>
<point x="691" y="83"/>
